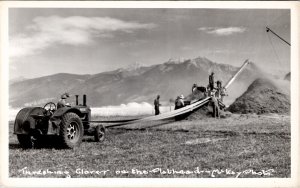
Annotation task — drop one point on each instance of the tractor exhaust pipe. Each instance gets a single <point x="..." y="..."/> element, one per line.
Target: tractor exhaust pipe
<point x="84" y="100"/>
<point x="76" y="99"/>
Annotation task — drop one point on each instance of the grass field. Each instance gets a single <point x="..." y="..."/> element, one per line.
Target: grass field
<point x="245" y="146"/>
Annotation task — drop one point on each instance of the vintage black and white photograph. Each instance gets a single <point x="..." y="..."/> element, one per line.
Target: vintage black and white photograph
<point x="149" y="92"/>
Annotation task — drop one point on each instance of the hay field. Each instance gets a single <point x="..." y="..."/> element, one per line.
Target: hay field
<point x="243" y="146"/>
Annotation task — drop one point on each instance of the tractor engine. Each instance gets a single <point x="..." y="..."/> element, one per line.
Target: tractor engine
<point x="85" y="111"/>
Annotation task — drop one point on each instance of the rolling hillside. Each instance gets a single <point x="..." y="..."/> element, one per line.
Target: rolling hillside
<point x="134" y="84"/>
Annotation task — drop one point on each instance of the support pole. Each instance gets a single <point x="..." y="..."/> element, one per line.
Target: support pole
<point x="268" y="29"/>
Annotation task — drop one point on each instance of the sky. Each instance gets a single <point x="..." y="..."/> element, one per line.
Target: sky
<point x="45" y="41"/>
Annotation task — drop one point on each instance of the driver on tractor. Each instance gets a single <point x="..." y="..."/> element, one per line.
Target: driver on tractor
<point x="62" y="102"/>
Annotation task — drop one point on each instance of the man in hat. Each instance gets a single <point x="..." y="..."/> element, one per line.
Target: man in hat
<point x="156" y="105"/>
<point x="62" y="102"/>
<point x="194" y="88"/>
<point x="179" y="103"/>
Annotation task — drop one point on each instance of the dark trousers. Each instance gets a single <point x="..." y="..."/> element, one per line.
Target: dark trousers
<point x="156" y="108"/>
<point x="216" y="111"/>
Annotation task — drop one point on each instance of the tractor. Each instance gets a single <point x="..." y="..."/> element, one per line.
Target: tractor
<point x="67" y="124"/>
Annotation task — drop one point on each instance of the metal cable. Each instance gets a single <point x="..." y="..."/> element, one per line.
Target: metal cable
<point x="278" y="60"/>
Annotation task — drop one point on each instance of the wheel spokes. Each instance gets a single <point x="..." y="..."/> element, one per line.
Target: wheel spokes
<point x="71" y="131"/>
<point x="101" y="133"/>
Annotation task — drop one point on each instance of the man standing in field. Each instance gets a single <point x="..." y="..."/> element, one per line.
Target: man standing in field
<point x="62" y="102"/>
<point x="156" y="105"/>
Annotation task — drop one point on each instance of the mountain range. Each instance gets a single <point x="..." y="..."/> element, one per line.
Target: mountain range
<point x="132" y="84"/>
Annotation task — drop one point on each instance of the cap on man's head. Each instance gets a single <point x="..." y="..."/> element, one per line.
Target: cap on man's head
<point x="181" y="96"/>
<point x="65" y="95"/>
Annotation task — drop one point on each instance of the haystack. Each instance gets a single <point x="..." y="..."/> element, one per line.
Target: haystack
<point x="262" y="96"/>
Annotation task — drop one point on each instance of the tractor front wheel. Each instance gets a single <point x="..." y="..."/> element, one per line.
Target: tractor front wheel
<point x="71" y="130"/>
<point x="99" y="133"/>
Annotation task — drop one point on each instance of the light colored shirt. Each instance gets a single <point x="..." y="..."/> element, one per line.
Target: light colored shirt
<point x="61" y="103"/>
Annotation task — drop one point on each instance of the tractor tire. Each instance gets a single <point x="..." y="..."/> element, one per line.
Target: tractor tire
<point x="25" y="141"/>
<point x="71" y="130"/>
<point x="99" y="134"/>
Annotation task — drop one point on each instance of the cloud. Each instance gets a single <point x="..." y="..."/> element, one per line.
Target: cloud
<point x="133" y="43"/>
<point x="222" y="31"/>
<point x="130" y="109"/>
<point x="186" y="48"/>
<point x="74" y="30"/>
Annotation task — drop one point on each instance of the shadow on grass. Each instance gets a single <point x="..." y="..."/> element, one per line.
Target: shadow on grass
<point x="18" y="146"/>
<point x="50" y="143"/>
<point x="14" y="146"/>
<point x="89" y="139"/>
<point x="141" y="127"/>
<point x="160" y="124"/>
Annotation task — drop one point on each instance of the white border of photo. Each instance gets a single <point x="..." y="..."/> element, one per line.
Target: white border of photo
<point x="153" y="182"/>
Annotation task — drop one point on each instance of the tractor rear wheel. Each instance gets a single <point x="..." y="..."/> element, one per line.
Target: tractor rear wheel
<point x="99" y="133"/>
<point x="71" y="130"/>
<point x="25" y="141"/>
